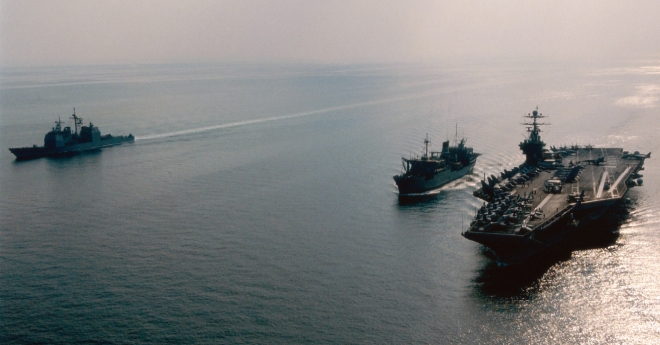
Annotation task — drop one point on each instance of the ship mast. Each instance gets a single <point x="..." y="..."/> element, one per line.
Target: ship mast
<point x="76" y="120"/>
<point x="58" y="124"/>
<point x="426" y="145"/>
<point x="457" y="143"/>
<point x="534" y="131"/>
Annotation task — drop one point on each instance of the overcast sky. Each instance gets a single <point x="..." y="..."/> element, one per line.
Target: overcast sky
<point x="56" y="32"/>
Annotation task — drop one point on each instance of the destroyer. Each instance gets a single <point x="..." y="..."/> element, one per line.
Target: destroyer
<point x="61" y="141"/>
<point x="552" y="197"/>
<point x="431" y="171"/>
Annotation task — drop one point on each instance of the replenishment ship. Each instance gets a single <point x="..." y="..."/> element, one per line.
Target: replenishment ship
<point x="62" y="141"/>
<point x="556" y="194"/>
<point x="432" y="170"/>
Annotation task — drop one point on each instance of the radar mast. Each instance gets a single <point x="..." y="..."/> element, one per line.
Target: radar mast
<point x="532" y="147"/>
<point x="426" y="145"/>
<point x="76" y="120"/>
<point x="58" y="124"/>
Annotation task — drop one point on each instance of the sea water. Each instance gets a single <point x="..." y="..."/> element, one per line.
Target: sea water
<point x="257" y="205"/>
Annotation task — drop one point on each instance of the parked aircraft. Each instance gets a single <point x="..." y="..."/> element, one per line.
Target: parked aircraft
<point x="636" y="155"/>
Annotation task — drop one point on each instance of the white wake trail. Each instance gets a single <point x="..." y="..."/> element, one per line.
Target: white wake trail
<point x="284" y="117"/>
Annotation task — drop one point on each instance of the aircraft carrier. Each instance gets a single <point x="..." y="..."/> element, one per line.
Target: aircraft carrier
<point x="557" y="194"/>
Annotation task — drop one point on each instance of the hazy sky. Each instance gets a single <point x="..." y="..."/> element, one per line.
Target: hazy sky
<point x="57" y="32"/>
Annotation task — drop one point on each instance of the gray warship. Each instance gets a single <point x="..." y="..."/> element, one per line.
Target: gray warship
<point x="431" y="170"/>
<point x="554" y="197"/>
<point x="63" y="141"/>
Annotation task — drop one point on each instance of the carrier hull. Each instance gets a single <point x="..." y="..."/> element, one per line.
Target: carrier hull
<point x="565" y="231"/>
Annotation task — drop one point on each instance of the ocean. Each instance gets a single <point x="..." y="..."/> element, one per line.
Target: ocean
<point x="257" y="206"/>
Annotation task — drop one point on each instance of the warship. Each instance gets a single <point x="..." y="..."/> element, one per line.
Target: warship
<point x="432" y="170"/>
<point x="555" y="196"/>
<point x="62" y="141"/>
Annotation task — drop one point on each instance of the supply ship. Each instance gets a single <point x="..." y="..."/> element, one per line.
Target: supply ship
<point x="62" y="141"/>
<point x="432" y="170"/>
<point x="554" y="196"/>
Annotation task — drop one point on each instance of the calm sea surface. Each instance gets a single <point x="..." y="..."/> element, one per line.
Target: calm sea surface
<point x="257" y="206"/>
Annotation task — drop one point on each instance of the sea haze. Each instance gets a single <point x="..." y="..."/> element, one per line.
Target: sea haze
<point x="257" y="206"/>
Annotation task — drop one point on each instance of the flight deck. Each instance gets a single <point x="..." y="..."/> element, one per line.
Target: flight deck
<point x="598" y="183"/>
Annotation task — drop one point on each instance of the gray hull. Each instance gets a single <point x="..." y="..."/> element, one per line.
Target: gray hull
<point x="419" y="184"/>
<point x="515" y="249"/>
<point x="24" y="153"/>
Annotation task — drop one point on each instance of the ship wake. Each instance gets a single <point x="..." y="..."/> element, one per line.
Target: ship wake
<point x="284" y="117"/>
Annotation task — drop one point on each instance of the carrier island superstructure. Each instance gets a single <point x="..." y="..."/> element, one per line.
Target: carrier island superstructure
<point x="555" y="194"/>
